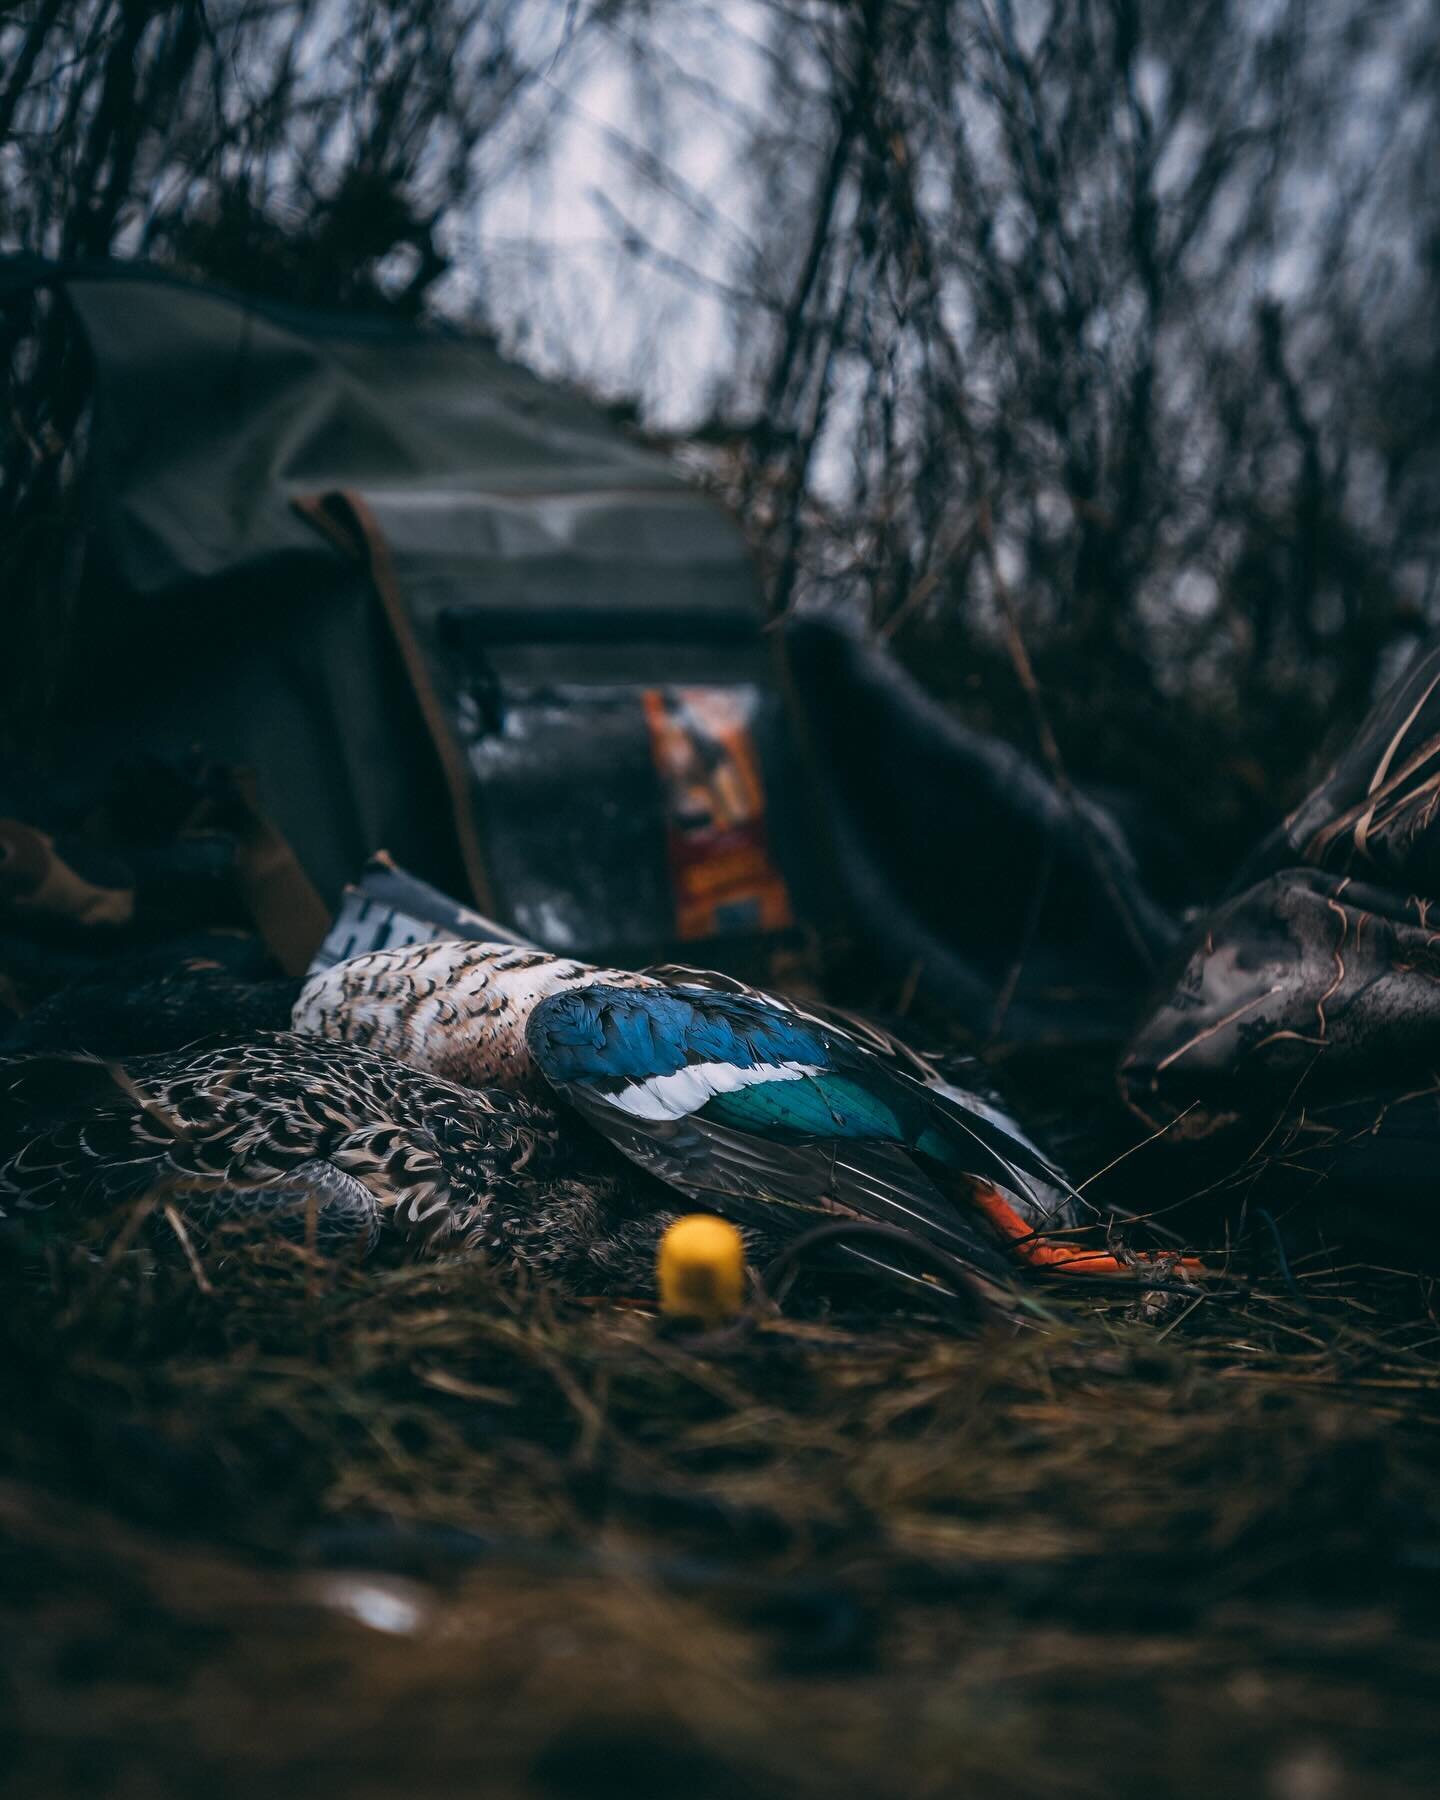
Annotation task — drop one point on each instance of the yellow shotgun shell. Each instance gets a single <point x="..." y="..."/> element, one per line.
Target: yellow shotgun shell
<point x="701" y="1269"/>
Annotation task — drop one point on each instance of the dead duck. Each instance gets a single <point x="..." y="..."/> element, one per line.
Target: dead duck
<point x="738" y="1100"/>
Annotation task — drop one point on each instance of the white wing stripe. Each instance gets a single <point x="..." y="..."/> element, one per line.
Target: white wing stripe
<point x="686" y="1091"/>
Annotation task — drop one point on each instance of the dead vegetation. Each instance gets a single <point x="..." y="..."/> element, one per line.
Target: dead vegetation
<point x="417" y="1532"/>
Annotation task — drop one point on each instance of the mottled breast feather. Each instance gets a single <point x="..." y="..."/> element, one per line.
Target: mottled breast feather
<point x="456" y="1009"/>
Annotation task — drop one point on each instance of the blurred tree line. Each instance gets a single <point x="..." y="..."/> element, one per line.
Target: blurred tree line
<point x="1086" y="348"/>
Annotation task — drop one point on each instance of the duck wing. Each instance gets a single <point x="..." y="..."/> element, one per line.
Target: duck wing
<point x="745" y="1104"/>
<point x="1047" y="1202"/>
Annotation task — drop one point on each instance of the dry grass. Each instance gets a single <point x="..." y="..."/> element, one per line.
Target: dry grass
<point x="415" y="1533"/>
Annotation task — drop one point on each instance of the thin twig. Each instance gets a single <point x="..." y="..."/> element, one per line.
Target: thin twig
<point x="177" y="1225"/>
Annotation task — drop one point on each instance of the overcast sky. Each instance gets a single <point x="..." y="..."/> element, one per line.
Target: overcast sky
<point x="544" y="250"/>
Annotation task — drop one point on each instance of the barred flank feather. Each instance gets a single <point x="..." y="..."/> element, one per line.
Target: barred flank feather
<point x="253" y="1129"/>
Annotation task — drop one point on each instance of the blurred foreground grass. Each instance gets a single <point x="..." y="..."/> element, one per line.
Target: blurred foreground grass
<point x="415" y="1533"/>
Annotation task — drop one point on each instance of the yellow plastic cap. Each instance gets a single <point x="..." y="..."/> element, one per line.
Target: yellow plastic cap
<point x="701" y="1269"/>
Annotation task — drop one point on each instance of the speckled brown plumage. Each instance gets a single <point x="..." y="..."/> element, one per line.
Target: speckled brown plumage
<point x="301" y="1135"/>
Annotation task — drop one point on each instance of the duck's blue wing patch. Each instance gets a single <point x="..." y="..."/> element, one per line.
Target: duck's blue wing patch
<point x="605" y="1033"/>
